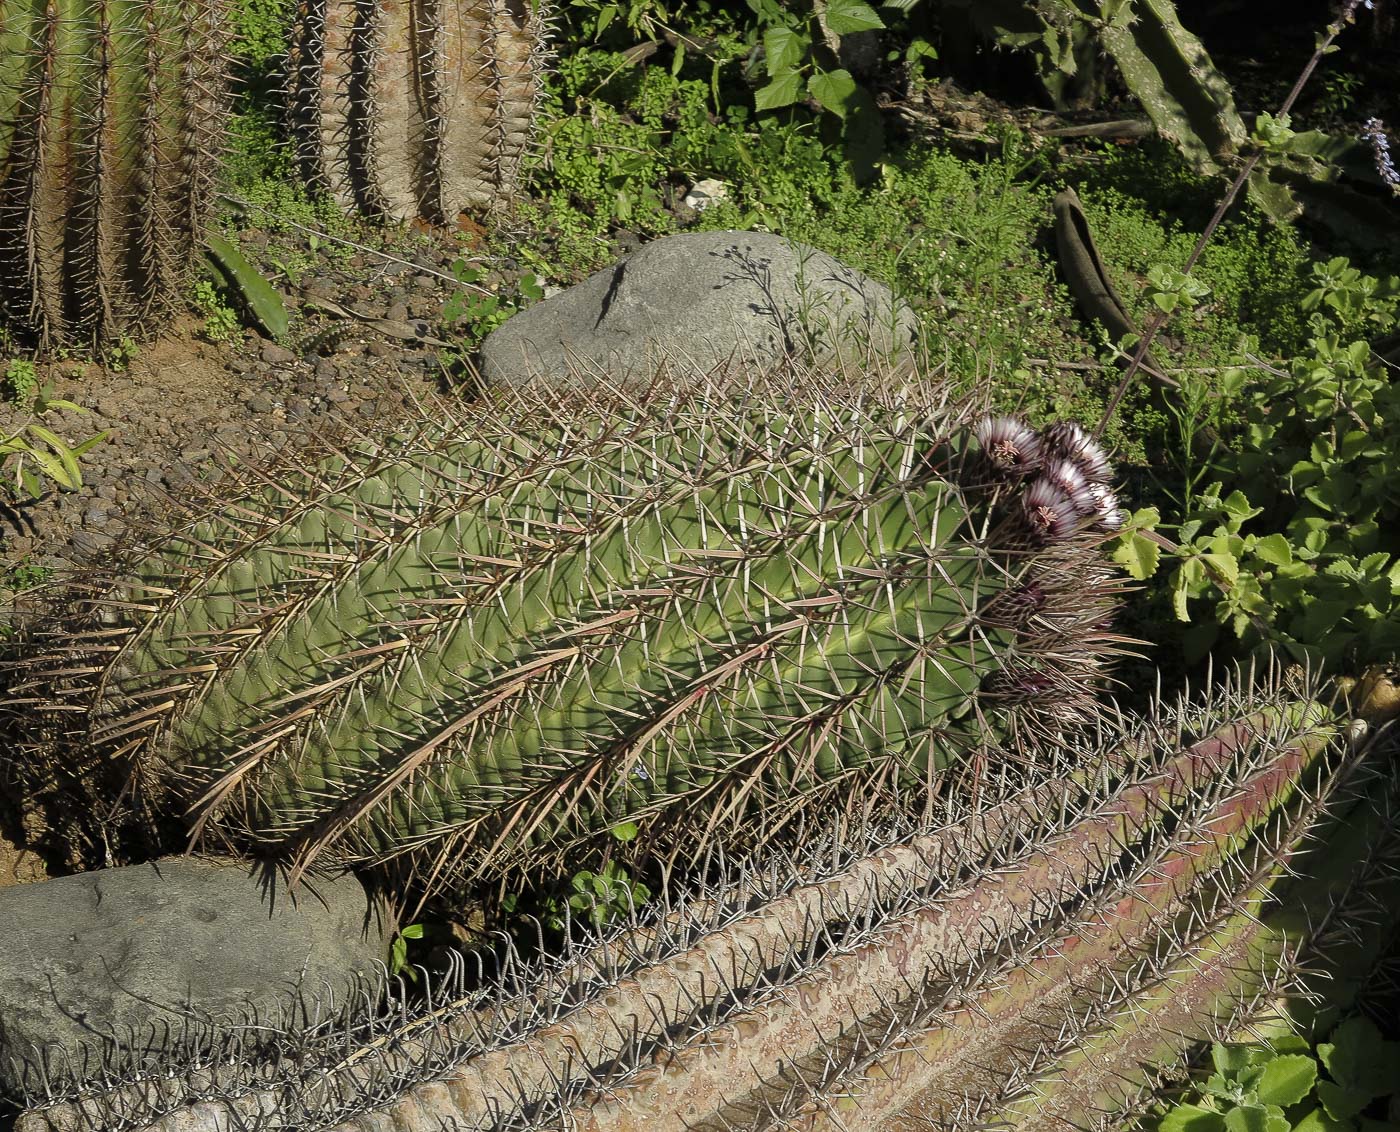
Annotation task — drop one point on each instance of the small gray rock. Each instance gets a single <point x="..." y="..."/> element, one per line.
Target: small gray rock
<point x="702" y="298"/>
<point x="135" y="952"/>
<point x="275" y="355"/>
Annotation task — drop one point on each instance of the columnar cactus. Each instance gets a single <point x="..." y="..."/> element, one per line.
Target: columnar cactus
<point x="485" y="645"/>
<point x="1023" y="957"/>
<point x="415" y="108"/>
<point x="110" y="120"/>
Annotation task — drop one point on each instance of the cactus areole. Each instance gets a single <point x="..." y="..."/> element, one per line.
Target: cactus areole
<point x="486" y="644"/>
<point x="111" y="116"/>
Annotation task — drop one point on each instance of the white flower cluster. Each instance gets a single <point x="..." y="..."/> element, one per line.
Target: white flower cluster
<point x="1073" y="484"/>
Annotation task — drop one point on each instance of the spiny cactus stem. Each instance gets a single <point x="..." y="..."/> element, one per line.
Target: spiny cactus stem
<point x="938" y="943"/>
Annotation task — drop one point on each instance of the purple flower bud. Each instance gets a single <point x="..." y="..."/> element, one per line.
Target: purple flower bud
<point x="1015" y="606"/>
<point x="1009" y="443"/>
<point x="1049" y="511"/>
<point x="1067" y="439"/>
<point x="1070" y="479"/>
<point x="1106" y="510"/>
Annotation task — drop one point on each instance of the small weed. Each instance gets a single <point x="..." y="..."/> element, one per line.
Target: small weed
<point x="26" y="575"/>
<point x="21" y="382"/>
<point x="398" y="951"/>
<point x="471" y="315"/>
<point x="1339" y="94"/>
<point x="221" y="322"/>
<point x="120" y="354"/>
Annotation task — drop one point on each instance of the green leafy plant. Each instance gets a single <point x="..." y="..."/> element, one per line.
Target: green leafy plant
<point x="471" y="314"/>
<point x="597" y="898"/>
<point x="120" y="353"/>
<point x="21" y="381"/>
<point x="34" y="454"/>
<point x="221" y="322"/>
<point x="27" y="575"/>
<point x="801" y="50"/>
<point x="1339" y="93"/>
<point x="1303" y="553"/>
<point x="398" y="951"/>
<point x="1350" y="1082"/>
<point x="1170" y="289"/>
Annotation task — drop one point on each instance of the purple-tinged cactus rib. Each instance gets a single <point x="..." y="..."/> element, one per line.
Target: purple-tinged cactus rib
<point x="1009" y="959"/>
<point x="416" y="108"/>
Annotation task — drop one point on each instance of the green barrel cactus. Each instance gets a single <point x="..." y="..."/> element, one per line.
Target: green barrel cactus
<point x="489" y="643"/>
<point x="415" y="108"/>
<point x="111" y="116"/>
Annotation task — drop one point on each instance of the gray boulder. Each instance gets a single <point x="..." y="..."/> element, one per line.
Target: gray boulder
<point x="134" y="959"/>
<point x="702" y="299"/>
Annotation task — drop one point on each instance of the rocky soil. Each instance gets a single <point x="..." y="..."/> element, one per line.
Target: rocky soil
<point x="366" y="348"/>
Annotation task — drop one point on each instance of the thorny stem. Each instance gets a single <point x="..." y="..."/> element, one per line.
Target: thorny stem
<point x="1158" y="318"/>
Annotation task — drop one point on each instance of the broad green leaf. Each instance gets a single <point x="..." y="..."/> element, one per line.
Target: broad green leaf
<point x="1180" y="595"/>
<point x="1192" y="1118"/>
<point x="1318" y="1121"/>
<point x="833" y="90"/>
<point x="61" y="450"/>
<point x="1287" y="1079"/>
<point x="1138" y="555"/>
<point x="1360" y="1059"/>
<point x="1256" y="1118"/>
<point x="1225" y="565"/>
<point x="1274" y="549"/>
<point x="54" y="469"/>
<point x="784" y="89"/>
<point x="783" y="48"/>
<point x="91" y="442"/>
<point x="1229" y="1058"/>
<point x="1340" y="1102"/>
<point x="846" y="16"/>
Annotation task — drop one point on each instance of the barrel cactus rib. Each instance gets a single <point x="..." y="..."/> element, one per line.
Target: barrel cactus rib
<point x="1013" y="968"/>
<point x="110" y="120"/>
<point x="437" y="660"/>
<point x="418" y="108"/>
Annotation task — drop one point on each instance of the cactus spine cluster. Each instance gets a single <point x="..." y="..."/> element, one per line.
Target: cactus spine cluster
<point x="1019" y="958"/>
<point x="481" y="647"/>
<point x="110" y="121"/>
<point x="415" y="108"/>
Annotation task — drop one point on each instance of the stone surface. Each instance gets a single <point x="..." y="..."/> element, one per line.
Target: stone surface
<point x="135" y="951"/>
<point x="702" y="298"/>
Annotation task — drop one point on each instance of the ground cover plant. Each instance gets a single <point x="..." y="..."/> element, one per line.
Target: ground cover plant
<point x="1258" y="478"/>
